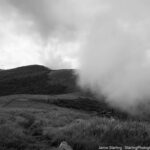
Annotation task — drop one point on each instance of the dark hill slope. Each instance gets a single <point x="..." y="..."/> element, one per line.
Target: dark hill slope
<point x="22" y="72"/>
<point x="36" y="79"/>
<point x="63" y="77"/>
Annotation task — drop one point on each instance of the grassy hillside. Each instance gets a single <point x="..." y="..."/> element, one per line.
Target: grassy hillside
<point x="36" y="79"/>
<point x="40" y="126"/>
<point x="40" y="108"/>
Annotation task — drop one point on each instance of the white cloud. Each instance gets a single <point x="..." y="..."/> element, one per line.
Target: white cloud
<point x="22" y="44"/>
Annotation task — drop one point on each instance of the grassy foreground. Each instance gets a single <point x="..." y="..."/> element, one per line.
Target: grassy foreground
<point x="43" y="129"/>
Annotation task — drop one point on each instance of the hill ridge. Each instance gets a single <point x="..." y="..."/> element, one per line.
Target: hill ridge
<point x="36" y="79"/>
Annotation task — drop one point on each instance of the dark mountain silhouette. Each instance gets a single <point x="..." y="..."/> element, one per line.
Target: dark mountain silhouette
<point x="37" y="79"/>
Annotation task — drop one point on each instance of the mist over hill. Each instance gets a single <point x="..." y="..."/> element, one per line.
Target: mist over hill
<point x="41" y="107"/>
<point x="37" y="79"/>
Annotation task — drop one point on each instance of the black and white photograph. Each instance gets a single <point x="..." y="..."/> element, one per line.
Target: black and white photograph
<point x="74" y="74"/>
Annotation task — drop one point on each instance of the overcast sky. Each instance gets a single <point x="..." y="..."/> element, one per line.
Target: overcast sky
<point x="52" y="32"/>
<point x="35" y="32"/>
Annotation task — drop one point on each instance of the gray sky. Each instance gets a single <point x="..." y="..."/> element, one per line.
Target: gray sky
<point x="52" y="32"/>
<point x="37" y="31"/>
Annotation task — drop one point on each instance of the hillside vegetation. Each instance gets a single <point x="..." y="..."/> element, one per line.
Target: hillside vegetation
<point x="40" y="108"/>
<point x="36" y="79"/>
<point x="44" y="129"/>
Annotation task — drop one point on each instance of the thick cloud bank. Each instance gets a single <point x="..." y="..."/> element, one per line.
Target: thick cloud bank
<point x="115" y="60"/>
